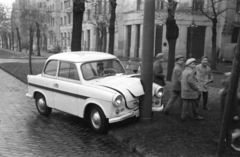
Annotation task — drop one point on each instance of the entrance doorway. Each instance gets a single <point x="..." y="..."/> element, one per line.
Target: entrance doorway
<point x="158" y="39"/>
<point x="196" y="42"/>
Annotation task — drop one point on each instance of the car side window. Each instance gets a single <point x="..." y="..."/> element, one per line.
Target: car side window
<point x="51" y="68"/>
<point x="68" y="70"/>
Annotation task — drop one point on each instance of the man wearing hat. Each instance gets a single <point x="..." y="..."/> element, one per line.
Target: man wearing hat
<point x="176" y="84"/>
<point x="189" y="90"/>
<point x="158" y="76"/>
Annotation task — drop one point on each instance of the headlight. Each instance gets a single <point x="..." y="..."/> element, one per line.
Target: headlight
<point x="117" y="100"/>
<point x="159" y="92"/>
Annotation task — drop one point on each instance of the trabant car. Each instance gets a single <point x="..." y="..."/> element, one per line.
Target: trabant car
<point x="90" y="85"/>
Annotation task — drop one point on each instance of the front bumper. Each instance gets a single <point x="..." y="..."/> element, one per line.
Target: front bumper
<point x="134" y="113"/>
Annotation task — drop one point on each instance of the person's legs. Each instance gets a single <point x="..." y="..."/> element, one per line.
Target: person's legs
<point x="195" y="109"/>
<point x="172" y="99"/>
<point x="205" y="100"/>
<point x="184" y="109"/>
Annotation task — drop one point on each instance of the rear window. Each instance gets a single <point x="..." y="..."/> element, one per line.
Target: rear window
<point x="51" y="68"/>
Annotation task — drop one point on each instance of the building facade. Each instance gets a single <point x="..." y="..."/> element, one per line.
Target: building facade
<point x="195" y="29"/>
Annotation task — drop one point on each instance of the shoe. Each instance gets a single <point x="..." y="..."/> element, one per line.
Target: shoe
<point x="167" y="113"/>
<point x="198" y="118"/>
<point x="183" y="119"/>
<point x="236" y="118"/>
<point x="206" y="108"/>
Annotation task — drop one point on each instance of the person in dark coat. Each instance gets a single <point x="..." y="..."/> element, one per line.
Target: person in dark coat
<point x="158" y="76"/>
<point x="189" y="90"/>
<point x="176" y="84"/>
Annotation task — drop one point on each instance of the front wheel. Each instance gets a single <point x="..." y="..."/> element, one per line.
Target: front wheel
<point x="41" y="105"/>
<point x="98" y="120"/>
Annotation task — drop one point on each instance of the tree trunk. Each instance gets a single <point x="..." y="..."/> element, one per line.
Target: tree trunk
<point x="104" y="39"/>
<point x="38" y="39"/>
<point x="214" y="44"/>
<point x="225" y="132"/>
<point x="12" y="40"/>
<point x="30" y="49"/>
<point x="100" y="40"/>
<point x="171" y="58"/>
<point x="6" y="40"/>
<point x="44" y="42"/>
<point x="111" y="28"/>
<point x="19" y="40"/>
<point x="3" y="41"/>
<point x="171" y="35"/>
<point x="78" y="11"/>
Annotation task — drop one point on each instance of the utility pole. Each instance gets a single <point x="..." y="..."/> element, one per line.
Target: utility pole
<point x="225" y="133"/>
<point x="147" y="60"/>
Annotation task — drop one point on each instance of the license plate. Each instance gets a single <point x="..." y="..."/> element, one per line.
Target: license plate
<point x="136" y="113"/>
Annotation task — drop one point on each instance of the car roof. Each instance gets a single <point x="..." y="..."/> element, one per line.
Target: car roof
<point x="82" y="56"/>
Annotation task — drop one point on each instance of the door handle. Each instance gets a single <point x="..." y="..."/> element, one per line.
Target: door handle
<point x="55" y="85"/>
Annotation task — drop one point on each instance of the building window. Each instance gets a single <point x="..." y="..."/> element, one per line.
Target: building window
<point x="61" y="5"/>
<point x="197" y="6"/>
<point x="139" y="3"/>
<point x="159" y="4"/>
<point x="65" y="20"/>
<point x="69" y="38"/>
<point x="61" y="21"/>
<point x="69" y="18"/>
<point x="238" y="6"/>
<point x="99" y="7"/>
<point x="88" y="14"/>
<point x="105" y="7"/>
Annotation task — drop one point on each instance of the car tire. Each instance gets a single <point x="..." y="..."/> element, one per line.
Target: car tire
<point x="41" y="105"/>
<point x="98" y="120"/>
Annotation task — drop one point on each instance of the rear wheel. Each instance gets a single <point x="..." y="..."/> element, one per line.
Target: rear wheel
<point x="41" y="105"/>
<point x="98" y="120"/>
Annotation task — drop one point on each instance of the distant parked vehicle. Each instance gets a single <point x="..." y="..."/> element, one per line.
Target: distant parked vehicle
<point x="53" y="49"/>
<point x="228" y="52"/>
<point x="67" y="49"/>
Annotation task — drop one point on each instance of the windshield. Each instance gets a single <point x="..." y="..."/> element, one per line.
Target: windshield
<point x="98" y="69"/>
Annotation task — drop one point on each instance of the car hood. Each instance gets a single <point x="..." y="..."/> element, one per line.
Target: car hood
<point x="126" y="85"/>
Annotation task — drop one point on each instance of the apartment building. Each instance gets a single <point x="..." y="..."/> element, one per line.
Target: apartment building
<point x="195" y="29"/>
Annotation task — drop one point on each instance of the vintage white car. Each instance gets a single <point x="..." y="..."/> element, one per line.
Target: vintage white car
<point x="90" y="85"/>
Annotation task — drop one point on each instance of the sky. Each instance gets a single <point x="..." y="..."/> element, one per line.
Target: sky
<point x="8" y="3"/>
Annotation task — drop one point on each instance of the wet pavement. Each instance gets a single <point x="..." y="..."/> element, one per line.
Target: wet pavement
<point x="25" y="133"/>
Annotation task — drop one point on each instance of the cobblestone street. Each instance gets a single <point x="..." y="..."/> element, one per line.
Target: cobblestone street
<point x="24" y="133"/>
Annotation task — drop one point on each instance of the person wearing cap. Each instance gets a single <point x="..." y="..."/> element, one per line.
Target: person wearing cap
<point x="189" y="90"/>
<point x="176" y="84"/>
<point x="158" y="76"/>
<point x="204" y="77"/>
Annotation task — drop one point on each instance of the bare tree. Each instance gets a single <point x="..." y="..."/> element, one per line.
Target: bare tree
<point x="29" y="16"/>
<point x="5" y="26"/>
<point x="171" y="35"/>
<point x="111" y="28"/>
<point x="212" y="11"/>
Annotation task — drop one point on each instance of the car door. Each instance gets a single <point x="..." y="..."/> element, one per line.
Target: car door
<point x="66" y="88"/>
<point x="49" y="75"/>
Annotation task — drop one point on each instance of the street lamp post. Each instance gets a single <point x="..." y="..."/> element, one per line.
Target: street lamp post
<point x="192" y="27"/>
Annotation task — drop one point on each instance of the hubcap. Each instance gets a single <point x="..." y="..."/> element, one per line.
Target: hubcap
<point x="41" y="104"/>
<point x="96" y="119"/>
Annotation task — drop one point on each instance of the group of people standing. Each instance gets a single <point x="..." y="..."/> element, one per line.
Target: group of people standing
<point x="189" y="83"/>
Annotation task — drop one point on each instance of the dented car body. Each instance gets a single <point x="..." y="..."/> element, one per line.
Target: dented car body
<point x="90" y="85"/>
